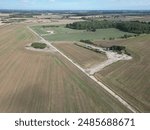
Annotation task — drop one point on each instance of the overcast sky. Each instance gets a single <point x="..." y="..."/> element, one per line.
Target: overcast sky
<point x="76" y="4"/>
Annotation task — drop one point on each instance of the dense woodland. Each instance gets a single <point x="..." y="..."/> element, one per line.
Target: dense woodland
<point x="134" y="27"/>
<point x="127" y="26"/>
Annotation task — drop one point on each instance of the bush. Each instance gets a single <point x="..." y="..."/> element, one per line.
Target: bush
<point x="118" y="49"/>
<point x="48" y="26"/>
<point x="39" y="45"/>
<point x="111" y="38"/>
<point x="87" y="41"/>
<point x="126" y="36"/>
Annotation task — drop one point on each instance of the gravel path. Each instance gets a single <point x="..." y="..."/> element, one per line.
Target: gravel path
<point x="112" y="58"/>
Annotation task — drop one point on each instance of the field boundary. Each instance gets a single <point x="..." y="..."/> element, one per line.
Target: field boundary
<point x="116" y="96"/>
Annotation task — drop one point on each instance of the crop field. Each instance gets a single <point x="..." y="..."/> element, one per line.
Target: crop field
<point x="131" y="79"/>
<point x="85" y="58"/>
<point x="61" y="33"/>
<point x="45" y="82"/>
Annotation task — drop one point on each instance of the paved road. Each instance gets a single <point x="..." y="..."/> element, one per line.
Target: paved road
<point x="121" y="100"/>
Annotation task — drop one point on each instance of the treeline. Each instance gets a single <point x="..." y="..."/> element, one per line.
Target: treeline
<point x="127" y="26"/>
<point x="49" y="26"/>
<point x="87" y="41"/>
<point x="90" y="48"/>
<point x="118" y="49"/>
<point x="134" y="27"/>
<point x="90" y="25"/>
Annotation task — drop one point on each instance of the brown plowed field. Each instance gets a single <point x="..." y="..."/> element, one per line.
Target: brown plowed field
<point x="84" y="57"/>
<point x="130" y="79"/>
<point x="45" y="82"/>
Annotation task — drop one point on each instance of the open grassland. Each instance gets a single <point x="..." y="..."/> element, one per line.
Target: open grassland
<point x="85" y="58"/>
<point x="61" y="33"/>
<point x="45" y="82"/>
<point x="131" y="79"/>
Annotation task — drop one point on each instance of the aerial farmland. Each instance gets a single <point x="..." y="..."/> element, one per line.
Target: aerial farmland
<point x="50" y="62"/>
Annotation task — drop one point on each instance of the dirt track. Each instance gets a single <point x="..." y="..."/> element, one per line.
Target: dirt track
<point x="112" y="58"/>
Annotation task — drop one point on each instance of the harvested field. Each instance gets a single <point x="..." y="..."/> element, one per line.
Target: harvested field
<point x="130" y="79"/>
<point x="45" y="82"/>
<point x="82" y="56"/>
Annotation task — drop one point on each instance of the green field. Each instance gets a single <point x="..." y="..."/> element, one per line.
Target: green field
<point x="65" y="34"/>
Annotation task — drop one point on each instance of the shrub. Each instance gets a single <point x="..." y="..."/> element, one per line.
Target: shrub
<point x="39" y="45"/>
<point x="48" y="26"/>
<point x="111" y="38"/>
<point x="87" y="41"/>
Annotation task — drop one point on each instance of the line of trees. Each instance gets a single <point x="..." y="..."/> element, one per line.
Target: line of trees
<point x="87" y="41"/>
<point x="90" y="48"/>
<point x="118" y="49"/>
<point x="126" y="26"/>
<point x="91" y="24"/>
<point x="134" y="27"/>
<point x="49" y="26"/>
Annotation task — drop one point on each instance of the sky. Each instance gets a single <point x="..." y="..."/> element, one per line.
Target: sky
<point x="76" y="4"/>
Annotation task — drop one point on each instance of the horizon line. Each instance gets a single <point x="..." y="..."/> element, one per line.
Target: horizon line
<point x="78" y="9"/>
